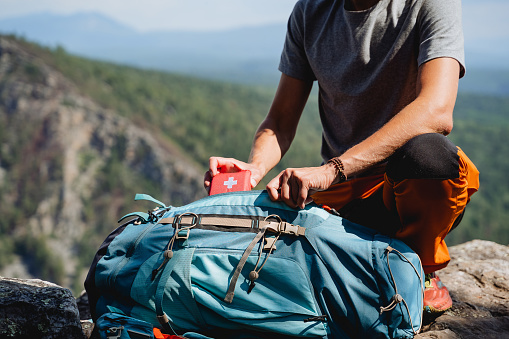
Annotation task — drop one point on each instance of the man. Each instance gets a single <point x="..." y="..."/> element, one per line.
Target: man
<point x="388" y="74"/>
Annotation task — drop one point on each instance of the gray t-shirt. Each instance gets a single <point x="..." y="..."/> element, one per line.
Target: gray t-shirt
<point x="366" y="62"/>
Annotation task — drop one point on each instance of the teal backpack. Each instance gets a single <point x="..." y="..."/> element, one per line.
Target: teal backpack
<point x="238" y="265"/>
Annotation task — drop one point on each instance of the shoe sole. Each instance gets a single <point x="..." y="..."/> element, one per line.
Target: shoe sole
<point x="432" y="310"/>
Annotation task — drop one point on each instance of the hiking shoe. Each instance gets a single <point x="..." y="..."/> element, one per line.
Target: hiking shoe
<point x="436" y="296"/>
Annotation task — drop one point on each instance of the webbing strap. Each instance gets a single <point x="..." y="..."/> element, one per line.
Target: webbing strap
<point x="283" y="227"/>
<point x="140" y="196"/>
<point x="141" y="215"/>
<point x="232" y="221"/>
<point x="240" y="266"/>
<point x="227" y="222"/>
<point x="179" y="263"/>
<point x="159" y="295"/>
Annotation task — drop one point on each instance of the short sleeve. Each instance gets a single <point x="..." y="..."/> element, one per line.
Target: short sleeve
<point x="294" y="61"/>
<point x="441" y="32"/>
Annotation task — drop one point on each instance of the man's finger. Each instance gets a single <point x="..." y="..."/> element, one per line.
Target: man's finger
<point x="295" y="187"/>
<point x="213" y="166"/>
<point x="285" y="188"/>
<point x="207" y="179"/>
<point x="273" y="188"/>
<point x="303" y="194"/>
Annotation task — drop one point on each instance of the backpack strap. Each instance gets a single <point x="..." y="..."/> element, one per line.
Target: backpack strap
<point x="142" y="217"/>
<point x="146" y="217"/>
<point x="185" y="302"/>
<point x="140" y="196"/>
<point x="231" y="289"/>
<point x="283" y="227"/>
<point x="230" y="221"/>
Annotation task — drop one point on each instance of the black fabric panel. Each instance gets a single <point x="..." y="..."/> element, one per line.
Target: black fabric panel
<point x="427" y="156"/>
<point x="92" y="290"/>
<point x="371" y="212"/>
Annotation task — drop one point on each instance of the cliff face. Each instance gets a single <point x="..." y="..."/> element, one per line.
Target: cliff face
<point x="68" y="168"/>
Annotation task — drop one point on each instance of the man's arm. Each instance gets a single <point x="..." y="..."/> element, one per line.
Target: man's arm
<point x="274" y="135"/>
<point x="430" y="112"/>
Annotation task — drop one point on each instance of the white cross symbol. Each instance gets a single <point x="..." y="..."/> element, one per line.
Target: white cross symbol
<point x="230" y="182"/>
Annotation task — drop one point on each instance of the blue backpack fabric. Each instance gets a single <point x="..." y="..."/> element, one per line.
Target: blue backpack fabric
<point x="238" y="265"/>
<point x="115" y="325"/>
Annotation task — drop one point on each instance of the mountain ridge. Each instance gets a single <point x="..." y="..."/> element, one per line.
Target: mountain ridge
<point x="244" y="55"/>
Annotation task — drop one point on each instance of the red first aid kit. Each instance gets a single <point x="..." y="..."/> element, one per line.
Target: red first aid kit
<point x="230" y="182"/>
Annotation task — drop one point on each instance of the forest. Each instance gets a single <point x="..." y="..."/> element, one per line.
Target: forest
<point x="208" y="118"/>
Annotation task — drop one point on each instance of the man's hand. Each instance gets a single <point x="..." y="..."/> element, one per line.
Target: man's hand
<point x="230" y="165"/>
<point x="274" y="135"/>
<point x="295" y="185"/>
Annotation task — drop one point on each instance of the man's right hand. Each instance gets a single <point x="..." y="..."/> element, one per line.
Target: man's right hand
<point x="230" y="165"/>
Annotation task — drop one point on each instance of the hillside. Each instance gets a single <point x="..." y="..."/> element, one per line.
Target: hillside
<point x="69" y="168"/>
<point x="79" y="138"/>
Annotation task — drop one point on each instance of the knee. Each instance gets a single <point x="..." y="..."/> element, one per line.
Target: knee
<point x="427" y="156"/>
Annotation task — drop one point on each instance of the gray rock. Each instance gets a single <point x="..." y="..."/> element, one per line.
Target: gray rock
<point x="478" y="281"/>
<point x="37" y="309"/>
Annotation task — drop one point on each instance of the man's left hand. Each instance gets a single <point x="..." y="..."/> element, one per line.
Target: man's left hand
<point x="295" y="185"/>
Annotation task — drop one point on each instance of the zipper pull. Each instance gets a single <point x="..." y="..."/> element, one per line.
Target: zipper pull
<point x="168" y="254"/>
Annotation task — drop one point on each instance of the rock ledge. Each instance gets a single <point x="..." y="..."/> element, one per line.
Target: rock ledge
<point x="478" y="281"/>
<point x="37" y="309"/>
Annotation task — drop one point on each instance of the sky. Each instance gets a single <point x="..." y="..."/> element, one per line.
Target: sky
<point x="156" y="15"/>
<point x="485" y="18"/>
<point x="485" y="23"/>
<point x="202" y="15"/>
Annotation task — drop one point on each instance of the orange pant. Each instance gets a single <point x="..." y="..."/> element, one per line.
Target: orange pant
<point x="419" y="212"/>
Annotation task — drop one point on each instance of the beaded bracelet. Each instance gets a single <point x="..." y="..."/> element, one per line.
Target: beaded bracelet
<point x="340" y="168"/>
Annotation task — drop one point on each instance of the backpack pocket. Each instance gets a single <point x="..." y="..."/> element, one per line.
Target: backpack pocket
<point x="280" y="301"/>
<point x="191" y="289"/>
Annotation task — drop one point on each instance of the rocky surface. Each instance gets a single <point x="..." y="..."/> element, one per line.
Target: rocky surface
<point x="478" y="281"/>
<point x="37" y="309"/>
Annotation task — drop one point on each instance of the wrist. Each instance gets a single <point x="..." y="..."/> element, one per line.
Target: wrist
<point x="339" y="168"/>
<point x="258" y="167"/>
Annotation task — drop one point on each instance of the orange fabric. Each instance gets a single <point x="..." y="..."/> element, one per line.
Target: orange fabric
<point x="337" y="196"/>
<point x="427" y="208"/>
<point x="160" y="335"/>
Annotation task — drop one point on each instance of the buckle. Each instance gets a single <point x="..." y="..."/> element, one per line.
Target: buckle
<point x="272" y="226"/>
<point x="179" y="228"/>
<point x="179" y="232"/>
<point x="290" y="229"/>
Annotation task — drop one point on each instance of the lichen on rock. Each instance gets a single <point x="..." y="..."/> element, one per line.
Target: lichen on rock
<point x="37" y="309"/>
